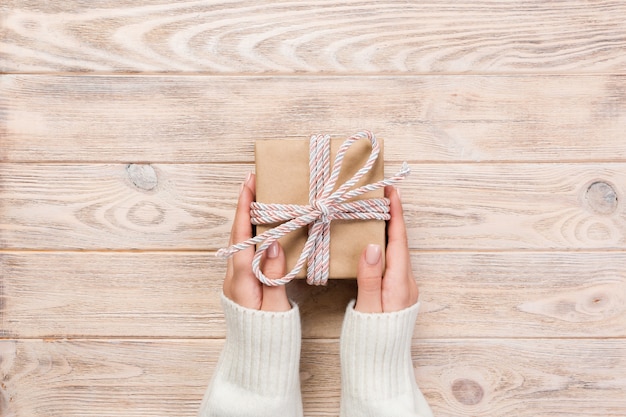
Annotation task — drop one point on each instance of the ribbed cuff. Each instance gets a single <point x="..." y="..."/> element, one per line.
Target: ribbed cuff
<point x="376" y="360"/>
<point x="263" y="349"/>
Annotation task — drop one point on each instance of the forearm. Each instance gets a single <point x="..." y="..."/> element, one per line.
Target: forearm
<point x="258" y="370"/>
<point x="377" y="370"/>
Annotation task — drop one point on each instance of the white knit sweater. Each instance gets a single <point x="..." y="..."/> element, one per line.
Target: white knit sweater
<point x="258" y="372"/>
<point x="377" y="377"/>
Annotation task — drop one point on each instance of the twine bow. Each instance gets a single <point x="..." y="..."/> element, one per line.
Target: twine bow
<point x="324" y="206"/>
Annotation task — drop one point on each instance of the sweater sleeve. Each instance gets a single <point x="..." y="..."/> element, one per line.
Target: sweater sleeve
<point x="376" y="367"/>
<point x="258" y="370"/>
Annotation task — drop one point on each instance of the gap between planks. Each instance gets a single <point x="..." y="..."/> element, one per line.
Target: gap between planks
<point x="314" y="74"/>
<point x="315" y="339"/>
<point x="416" y="251"/>
<point x="416" y="162"/>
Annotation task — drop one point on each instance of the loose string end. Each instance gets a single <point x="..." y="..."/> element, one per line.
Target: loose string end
<point x="223" y="253"/>
<point x="405" y="170"/>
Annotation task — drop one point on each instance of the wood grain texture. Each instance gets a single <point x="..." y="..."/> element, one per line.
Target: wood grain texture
<point x="176" y="295"/>
<point x="516" y="206"/>
<point x="127" y="127"/>
<point x="190" y="206"/>
<point x="118" y="206"/>
<point x="285" y="37"/>
<point x="216" y="119"/>
<point x="112" y="294"/>
<point x="459" y="377"/>
<point x="521" y="294"/>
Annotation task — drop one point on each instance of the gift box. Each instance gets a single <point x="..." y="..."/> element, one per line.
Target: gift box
<point x="282" y="176"/>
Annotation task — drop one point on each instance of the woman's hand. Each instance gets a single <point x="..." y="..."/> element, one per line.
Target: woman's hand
<point x="240" y="284"/>
<point x="396" y="290"/>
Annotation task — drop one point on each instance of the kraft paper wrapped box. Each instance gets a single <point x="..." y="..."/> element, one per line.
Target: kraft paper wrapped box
<point x="282" y="176"/>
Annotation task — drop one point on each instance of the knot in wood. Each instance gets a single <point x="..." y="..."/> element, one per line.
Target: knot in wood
<point x="143" y="176"/>
<point x="467" y="392"/>
<point x="601" y="198"/>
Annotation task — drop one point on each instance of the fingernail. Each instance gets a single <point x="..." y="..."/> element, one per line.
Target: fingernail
<point x="399" y="194"/>
<point x="272" y="251"/>
<point x="372" y="254"/>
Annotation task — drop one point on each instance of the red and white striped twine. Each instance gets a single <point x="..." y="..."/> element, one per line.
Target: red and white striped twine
<point x="324" y="206"/>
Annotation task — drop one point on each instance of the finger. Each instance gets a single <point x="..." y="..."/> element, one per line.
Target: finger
<point x="240" y="284"/>
<point x="397" y="242"/>
<point x="399" y="287"/>
<point x="242" y="228"/>
<point x="369" y="280"/>
<point x="273" y="266"/>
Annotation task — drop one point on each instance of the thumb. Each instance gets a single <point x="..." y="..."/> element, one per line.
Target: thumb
<point x="369" y="280"/>
<point x="273" y="266"/>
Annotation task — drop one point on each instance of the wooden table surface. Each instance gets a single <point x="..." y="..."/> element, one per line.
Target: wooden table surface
<point x="127" y="127"/>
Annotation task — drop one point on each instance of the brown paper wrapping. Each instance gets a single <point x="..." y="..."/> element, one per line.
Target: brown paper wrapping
<point x="282" y="176"/>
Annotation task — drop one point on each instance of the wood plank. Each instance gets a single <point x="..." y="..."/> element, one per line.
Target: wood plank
<point x="216" y="119"/>
<point x="458" y="377"/>
<point x="121" y="206"/>
<point x="559" y="294"/>
<point x="516" y="206"/>
<point x="112" y="294"/>
<point x="190" y="206"/>
<point x="271" y="37"/>
<point x="105" y="378"/>
<point x="531" y="294"/>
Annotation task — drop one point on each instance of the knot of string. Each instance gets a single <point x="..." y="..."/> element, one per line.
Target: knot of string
<point x="324" y="206"/>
